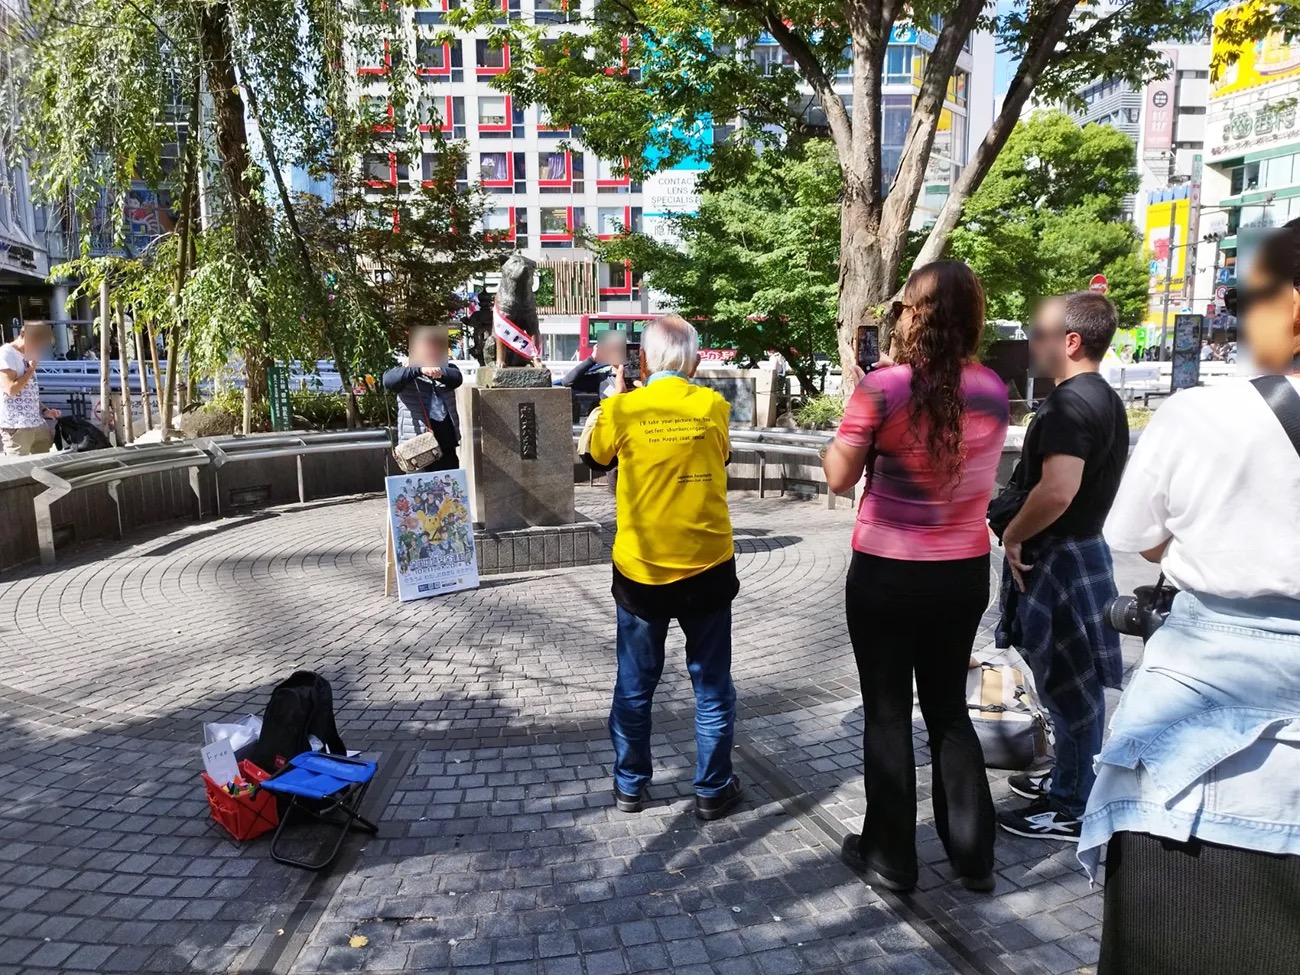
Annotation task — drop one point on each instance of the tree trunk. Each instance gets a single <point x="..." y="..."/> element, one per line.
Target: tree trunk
<point x="304" y="257"/>
<point x="1031" y="67"/>
<point x="105" y="359"/>
<point x="146" y="404"/>
<point x="864" y="281"/>
<point x="185" y="237"/>
<point x="128" y="422"/>
<point x="159" y="383"/>
<point x="248" y="218"/>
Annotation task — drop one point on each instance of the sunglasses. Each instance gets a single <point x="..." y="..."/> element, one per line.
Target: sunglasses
<point x="897" y="308"/>
<point x="1038" y="333"/>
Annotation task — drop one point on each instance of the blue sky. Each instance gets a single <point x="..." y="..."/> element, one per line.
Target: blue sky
<point x="1006" y="63"/>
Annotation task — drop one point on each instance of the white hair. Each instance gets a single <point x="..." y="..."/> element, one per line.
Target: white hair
<point x="670" y="344"/>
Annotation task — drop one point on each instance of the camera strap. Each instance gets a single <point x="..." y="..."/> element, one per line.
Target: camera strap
<point x="1284" y="401"/>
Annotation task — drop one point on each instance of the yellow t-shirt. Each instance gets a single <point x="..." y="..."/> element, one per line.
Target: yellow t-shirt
<point x="671" y="441"/>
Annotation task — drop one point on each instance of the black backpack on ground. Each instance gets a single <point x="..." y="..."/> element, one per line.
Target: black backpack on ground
<point x="76" y="435"/>
<point x="301" y="706"/>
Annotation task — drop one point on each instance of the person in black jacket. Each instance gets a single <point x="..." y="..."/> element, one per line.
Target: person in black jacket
<point x="596" y="373"/>
<point x="426" y="393"/>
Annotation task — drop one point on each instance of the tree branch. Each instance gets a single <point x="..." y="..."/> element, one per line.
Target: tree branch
<point x="837" y="116"/>
<point x="901" y="202"/>
<point x="1040" y="56"/>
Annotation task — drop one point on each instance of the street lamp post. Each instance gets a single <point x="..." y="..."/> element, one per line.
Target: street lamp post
<point x="1175" y="179"/>
<point x="1169" y="277"/>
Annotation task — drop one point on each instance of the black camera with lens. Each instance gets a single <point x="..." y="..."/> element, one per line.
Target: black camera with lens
<point x="1142" y="613"/>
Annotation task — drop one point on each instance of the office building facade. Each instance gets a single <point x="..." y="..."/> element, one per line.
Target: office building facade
<point x="1252" y="181"/>
<point x="548" y="190"/>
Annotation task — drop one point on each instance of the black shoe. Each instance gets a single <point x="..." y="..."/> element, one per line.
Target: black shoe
<point x="851" y="854"/>
<point x="709" y="808"/>
<point x="1031" y="785"/>
<point x="1040" y="821"/>
<point x="627" y="803"/>
<point x="980" y="885"/>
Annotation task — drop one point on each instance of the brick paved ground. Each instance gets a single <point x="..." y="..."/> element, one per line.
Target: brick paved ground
<point x="499" y="851"/>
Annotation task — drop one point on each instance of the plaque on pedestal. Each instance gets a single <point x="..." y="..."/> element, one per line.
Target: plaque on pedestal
<point x="518" y="446"/>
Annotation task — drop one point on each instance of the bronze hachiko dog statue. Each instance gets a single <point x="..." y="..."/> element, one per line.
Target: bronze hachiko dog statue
<point x="515" y="317"/>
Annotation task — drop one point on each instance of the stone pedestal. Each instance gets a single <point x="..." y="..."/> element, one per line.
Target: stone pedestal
<point x="517" y="445"/>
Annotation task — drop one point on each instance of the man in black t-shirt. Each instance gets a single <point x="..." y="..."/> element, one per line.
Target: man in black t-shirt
<point x="1059" y="576"/>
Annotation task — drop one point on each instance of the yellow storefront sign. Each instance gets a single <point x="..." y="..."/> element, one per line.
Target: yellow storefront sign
<point x="1257" y="62"/>
<point x="1159" y="243"/>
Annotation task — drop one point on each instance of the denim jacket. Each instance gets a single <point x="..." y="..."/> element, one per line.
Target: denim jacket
<point x="1206" y="739"/>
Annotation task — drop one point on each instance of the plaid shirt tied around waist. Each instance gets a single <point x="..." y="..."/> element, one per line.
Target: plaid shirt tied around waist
<point x="1059" y="625"/>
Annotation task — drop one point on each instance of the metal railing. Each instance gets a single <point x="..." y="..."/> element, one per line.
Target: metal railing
<point x="763" y="444"/>
<point x="272" y="445"/>
<point x="102" y="467"/>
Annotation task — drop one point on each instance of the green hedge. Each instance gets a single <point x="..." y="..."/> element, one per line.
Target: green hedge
<point x="314" y="409"/>
<point x="820" y="412"/>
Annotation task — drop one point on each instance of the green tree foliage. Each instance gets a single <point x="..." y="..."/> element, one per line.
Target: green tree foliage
<point x="759" y="262"/>
<point x="106" y="89"/>
<point x="635" y="75"/>
<point x="388" y="263"/>
<point x="1049" y="217"/>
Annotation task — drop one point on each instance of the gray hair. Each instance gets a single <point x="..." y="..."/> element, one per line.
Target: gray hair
<point x="671" y="344"/>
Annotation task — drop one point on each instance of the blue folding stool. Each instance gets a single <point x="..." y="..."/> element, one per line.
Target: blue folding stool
<point x="313" y="778"/>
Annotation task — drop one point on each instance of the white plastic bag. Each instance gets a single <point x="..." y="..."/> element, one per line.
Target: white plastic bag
<point x="240" y="733"/>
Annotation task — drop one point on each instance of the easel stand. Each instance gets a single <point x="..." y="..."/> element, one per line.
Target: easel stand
<point x="390" y="558"/>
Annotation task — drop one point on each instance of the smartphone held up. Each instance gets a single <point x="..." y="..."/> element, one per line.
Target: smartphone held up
<point x="866" y="346"/>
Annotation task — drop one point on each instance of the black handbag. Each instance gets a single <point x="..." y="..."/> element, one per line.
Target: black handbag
<point x="1284" y="401"/>
<point x="1004" y="508"/>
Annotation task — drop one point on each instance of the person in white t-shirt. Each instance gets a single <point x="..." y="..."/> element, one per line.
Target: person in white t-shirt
<point x="23" y="427"/>
<point x="1197" y="798"/>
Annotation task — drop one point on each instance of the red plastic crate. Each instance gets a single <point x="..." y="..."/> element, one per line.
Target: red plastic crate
<point x="244" y="817"/>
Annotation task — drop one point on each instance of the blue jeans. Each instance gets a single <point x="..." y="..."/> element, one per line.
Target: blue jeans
<point x="1073" y="775"/>
<point x="640" y="665"/>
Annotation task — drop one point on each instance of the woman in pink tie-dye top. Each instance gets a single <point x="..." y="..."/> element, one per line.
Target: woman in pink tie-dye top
<point x="928" y="432"/>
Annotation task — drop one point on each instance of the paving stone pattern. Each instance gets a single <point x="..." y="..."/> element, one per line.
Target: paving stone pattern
<point x="499" y="850"/>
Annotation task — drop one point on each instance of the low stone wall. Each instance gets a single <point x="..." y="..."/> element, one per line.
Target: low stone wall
<point x="88" y="514"/>
<point x="539" y="549"/>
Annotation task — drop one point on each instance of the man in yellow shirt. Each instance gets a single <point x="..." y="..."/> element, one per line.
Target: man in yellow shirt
<point x="673" y="559"/>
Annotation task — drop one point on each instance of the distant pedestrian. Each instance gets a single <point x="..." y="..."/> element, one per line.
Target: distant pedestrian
<point x="426" y="393"/>
<point x="929" y="433"/>
<point x="23" y="427"/>
<point x="1058" y="575"/>
<point x="1197" y="800"/>
<point x="673" y="559"/>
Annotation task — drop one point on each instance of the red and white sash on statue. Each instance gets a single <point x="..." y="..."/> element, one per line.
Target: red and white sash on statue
<point x="508" y="332"/>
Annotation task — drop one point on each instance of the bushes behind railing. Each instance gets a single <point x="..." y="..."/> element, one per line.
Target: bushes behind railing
<point x="313" y="409"/>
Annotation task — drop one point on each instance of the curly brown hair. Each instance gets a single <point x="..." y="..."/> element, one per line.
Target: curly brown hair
<point x="938" y="334"/>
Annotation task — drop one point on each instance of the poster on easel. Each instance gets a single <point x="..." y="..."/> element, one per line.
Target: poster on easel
<point x="430" y="534"/>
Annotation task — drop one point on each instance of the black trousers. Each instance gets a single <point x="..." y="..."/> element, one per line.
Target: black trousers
<point x="447" y="462"/>
<point x="920" y="618"/>
<point x="1198" y="909"/>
